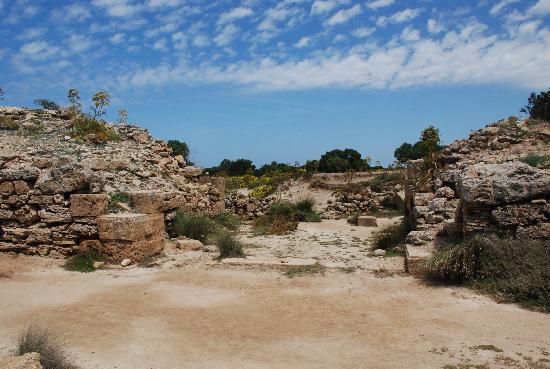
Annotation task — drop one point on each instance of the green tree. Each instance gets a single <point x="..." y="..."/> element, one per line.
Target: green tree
<point x="538" y="106"/>
<point x="47" y="104"/>
<point x="74" y="99"/>
<point x="432" y="144"/>
<point x="339" y="161"/>
<point x="179" y="148"/>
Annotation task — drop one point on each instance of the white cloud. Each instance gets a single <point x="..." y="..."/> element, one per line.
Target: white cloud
<point x="201" y="40"/>
<point x="72" y="12"/>
<point x="410" y="34"/>
<point x="79" y="43"/>
<point x="325" y="6"/>
<point x="363" y="32"/>
<point x="280" y="18"/>
<point x="160" y="45"/>
<point x="179" y="39"/>
<point x="377" y="4"/>
<point x="541" y="8"/>
<point x="465" y="56"/>
<point x="434" y="26"/>
<point x="495" y="9"/>
<point x="234" y="14"/>
<point x="303" y="42"/>
<point x="31" y="33"/>
<point x="38" y="50"/>
<point x="117" y="8"/>
<point x="399" y="17"/>
<point x="163" y="3"/>
<point x="227" y="35"/>
<point x="117" y="38"/>
<point x="344" y="15"/>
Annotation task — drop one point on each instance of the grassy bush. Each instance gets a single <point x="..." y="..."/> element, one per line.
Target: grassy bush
<point x="305" y="270"/>
<point x="83" y="262"/>
<point x="539" y="161"/>
<point x="228" y="245"/>
<point x="390" y="236"/>
<point x="193" y="225"/>
<point x="86" y="128"/>
<point x="6" y="123"/>
<point x="228" y="220"/>
<point x="283" y="216"/>
<point x="37" y="339"/>
<point x="114" y="199"/>
<point x="382" y="181"/>
<point x="509" y="270"/>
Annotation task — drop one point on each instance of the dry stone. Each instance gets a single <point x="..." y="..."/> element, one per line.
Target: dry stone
<point x="366" y="221"/>
<point x="88" y="205"/>
<point x="26" y="361"/>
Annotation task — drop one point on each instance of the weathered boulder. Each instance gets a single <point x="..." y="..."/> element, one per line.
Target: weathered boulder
<point x="25" y="174"/>
<point x="68" y="179"/>
<point x="495" y="184"/>
<point x="366" y="221"/>
<point x="150" y="202"/>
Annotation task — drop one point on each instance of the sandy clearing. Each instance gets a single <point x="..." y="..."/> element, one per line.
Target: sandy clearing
<point x="218" y="317"/>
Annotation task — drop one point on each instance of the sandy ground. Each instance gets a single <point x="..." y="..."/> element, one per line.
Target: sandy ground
<point x="208" y="315"/>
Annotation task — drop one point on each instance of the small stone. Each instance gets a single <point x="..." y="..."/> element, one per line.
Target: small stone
<point x="100" y="264"/>
<point x="379" y="252"/>
<point x="126" y="262"/>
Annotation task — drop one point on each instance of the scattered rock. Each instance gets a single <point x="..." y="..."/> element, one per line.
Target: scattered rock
<point x="126" y="262"/>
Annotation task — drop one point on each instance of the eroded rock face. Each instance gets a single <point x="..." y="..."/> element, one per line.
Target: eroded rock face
<point x="497" y="184"/>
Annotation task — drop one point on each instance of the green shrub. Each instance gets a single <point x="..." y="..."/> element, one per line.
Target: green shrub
<point x="193" y="225"/>
<point x="283" y="216"/>
<point x="390" y="236"/>
<point x="538" y="106"/>
<point x="179" y="148"/>
<point x="539" y="161"/>
<point x="228" y="220"/>
<point x="83" y="262"/>
<point x="6" y="123"/>
<point x="509" y="270"/>
<point x="383" y="181"/>
<point x="41" y="340"/>
<point x="89" y="129"/>
<point x="47" y="104"/>
<point x="228" y="245"/>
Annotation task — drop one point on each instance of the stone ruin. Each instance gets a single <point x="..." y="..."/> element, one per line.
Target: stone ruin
<point x="483" y="187"/>
<point x="60" y="195"/>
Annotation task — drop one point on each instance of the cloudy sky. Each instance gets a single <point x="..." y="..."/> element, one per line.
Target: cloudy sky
<point x="283" y="80"/>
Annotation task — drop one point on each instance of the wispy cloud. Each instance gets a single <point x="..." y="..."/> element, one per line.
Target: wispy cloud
<point x="399" y="17"/>
<point x="325" y="6"/>
<point x="344" y="15"/>
<point x="303" y="42"/>
<point x="377" y="4"/>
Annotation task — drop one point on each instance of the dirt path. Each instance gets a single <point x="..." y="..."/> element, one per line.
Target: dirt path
<point x="217" y="316"/>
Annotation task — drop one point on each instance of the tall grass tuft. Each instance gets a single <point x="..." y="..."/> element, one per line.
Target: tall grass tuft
<point x="41" y="340"/>
<point x="193" y="225"/>
<point x="228" y="245"/>
<point x="390" y="236"/>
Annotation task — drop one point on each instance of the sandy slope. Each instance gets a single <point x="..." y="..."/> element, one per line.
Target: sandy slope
<point x="207" y="315"/>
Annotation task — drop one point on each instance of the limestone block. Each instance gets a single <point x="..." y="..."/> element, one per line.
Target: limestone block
<point x="423" y="198"/>
<point x="150" y="202"/>
<point x="26" y="174"/>
<point x="366" y="221"/>
<point x="6" y="188"/>
<point x="21" y="187"/>
<point x="134" y="250"/>
<point x="55" y="214"/>
<point x="128" y="227"/>
<point x="513" y="215"/>
<point x="27" y="361"/>
<point x="88" y="205"/>
<point x="539" y="231"/>
<point x="39" y="235"/>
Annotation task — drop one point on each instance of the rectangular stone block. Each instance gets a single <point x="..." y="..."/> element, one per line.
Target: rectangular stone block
<point x="88" y="205"/>
<point x="133" y="250"/>
<point x="366" y="221"/>
<point x="127" y="227"/>
<point x="150" y="202"/>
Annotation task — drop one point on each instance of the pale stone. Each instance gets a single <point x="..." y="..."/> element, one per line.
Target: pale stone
<point x="367" y="221"/>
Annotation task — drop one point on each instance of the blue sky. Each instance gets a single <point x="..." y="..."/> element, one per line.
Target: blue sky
<point x="282" y="80"/>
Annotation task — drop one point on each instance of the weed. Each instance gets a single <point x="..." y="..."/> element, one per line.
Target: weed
<point x="41" y="340"/>
<point x="538" y="161"/>
<point x="193" y="225"/>
<point x="348" y="270"/>
<point x="390" y="236"/>
<point x="305" y="270"/>
<point x="228" y="220"/>
<point x="394" y="252"/>
<point x="88" y="129"/>
<point x="283" y="216"/>
<point x="83" y="262"/>
<point x="486" y="348"/>
<point x="116" y="198"/>
<point x="509" y="270"/>
<point x="228" y="245"/>
<point x="382" y="181"/>
<point x="6" y="123"/>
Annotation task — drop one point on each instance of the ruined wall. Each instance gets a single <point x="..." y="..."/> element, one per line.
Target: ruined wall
<point x="483" y="188"/>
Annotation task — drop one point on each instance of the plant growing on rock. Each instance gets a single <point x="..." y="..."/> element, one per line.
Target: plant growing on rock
<point x="432" y="144"/>
<point x="101" y="100"/>
<point x="179" y="148"/>
<point x="2" y="93"/>
<point x="74" y="98"/>
<point x="122" y="116"/>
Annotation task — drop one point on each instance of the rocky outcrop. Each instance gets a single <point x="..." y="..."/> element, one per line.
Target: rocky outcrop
<point x="54" y="187"/>
<point x="483" y="187"/>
